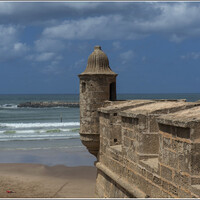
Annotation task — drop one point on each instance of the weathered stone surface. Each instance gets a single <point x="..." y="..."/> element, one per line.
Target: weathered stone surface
<point x="144" y="148"/>
<point x="97" y="84"/>
<point x="166" y="173"/>
<point x="185" y="118"/>
<point x="98" y="63"/>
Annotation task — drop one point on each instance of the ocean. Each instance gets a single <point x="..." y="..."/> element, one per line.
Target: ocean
<point x="50" y="135"/>
<point x="37" y="135"/>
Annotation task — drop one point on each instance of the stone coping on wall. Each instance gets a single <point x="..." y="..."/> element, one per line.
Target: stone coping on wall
<point x="195" y="189"/>
<point x="185" y="118"/>
<point x="176" y="100"/>
<point x="151" y="164"/>
<point x="115" y="152"/>
<point x="120" y="105"/>
<point x="123" y="105"/>
<point x="159" y="107"/>
<point x="142" y="156"/>
<point x="131" y="188"/>
<point x="117" y="148"/>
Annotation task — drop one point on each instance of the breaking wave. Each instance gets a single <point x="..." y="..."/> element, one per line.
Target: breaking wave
<point x="11" y="132"/>
<point x="38" y="125"/>
<point x="38" y="131"/>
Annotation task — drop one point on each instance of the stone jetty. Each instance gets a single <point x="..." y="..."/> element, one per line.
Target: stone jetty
<point x="48" y="104"/>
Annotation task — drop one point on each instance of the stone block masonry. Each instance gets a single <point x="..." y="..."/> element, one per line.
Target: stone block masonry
<point x="144" y="148"/>
<point x="97" y="84"/>
<point x="141" y="154"/>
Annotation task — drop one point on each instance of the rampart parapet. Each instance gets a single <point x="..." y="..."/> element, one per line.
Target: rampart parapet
<point x="136" y="160"/>
<point x="144" y="148"/>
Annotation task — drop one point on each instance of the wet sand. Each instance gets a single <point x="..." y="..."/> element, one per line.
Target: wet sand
<point x="41" y="181"/>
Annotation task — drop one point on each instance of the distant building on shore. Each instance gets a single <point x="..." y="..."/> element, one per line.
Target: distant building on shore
<point x="144" y="148"/>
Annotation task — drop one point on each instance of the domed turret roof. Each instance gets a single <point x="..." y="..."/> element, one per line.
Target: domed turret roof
<point x="98" y="63"/>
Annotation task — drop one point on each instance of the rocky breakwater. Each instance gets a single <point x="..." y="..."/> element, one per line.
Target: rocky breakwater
<point x="48" y="104"/>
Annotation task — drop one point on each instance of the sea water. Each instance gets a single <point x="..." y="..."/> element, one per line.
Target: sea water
<point x="50" y="135"/>
<point x="38" y="128"/>
<point x="41" y="135"/>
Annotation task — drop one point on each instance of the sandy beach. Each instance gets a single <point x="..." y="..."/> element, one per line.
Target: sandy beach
<point x="42" y="181"/>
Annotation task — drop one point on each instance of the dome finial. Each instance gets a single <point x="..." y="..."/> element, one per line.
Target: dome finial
<point x="97" y="47"/>
<point x="98" y="63"/>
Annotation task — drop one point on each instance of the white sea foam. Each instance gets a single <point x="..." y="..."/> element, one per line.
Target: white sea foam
<point x="49" y="133"/>
<point x="58" y="136"/>
<point x="43" y="135"/>
<point x="47" y="148"/>
<point x="9" y="106"/>
<point x="38" y="131"/>
<point x="36" y="139"/>
<point x="38" y="125"/>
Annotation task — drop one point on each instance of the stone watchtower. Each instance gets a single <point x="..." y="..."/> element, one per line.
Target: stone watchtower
<point x="97" y="84"/>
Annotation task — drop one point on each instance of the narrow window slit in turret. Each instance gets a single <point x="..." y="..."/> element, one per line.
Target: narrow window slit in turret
<point x="83" y="87"/>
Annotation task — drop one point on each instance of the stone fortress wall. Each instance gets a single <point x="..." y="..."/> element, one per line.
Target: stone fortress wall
<point x="144" y="148"/>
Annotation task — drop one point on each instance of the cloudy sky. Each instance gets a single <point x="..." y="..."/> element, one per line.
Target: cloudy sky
<point x="154" y="47"/>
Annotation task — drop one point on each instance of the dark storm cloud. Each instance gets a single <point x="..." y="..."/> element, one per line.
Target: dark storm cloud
<point x="105" y="20"/>
<point x="27" y="12"/>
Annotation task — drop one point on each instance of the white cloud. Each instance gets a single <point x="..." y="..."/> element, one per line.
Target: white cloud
<point x="127" y="56"/>
<point x="6" y="8"/>
<point x="192" y="55"/>
<point x="51" y="68"/>
<point x="178" y="21"/>
<point x="20" y="47"/>
<point x="54" y="67"/>
<point x="43" y="45"/>
<point x="90" y="28"/>
<point x="44" y="12"/>
<point x="52" y="61"/>
<point x="116" y="45"/>
<point x="8" y="34"/>
<point x="177" y="38"/>
<point x="102" y="27"/>
<point x="91" y="21"/>
<point x="45" y="56"/>
<point x="103" y="20"/>
<point x="10" y="45"/>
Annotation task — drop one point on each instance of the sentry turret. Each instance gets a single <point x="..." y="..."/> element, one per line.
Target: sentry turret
<point x="97" y="84"/>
